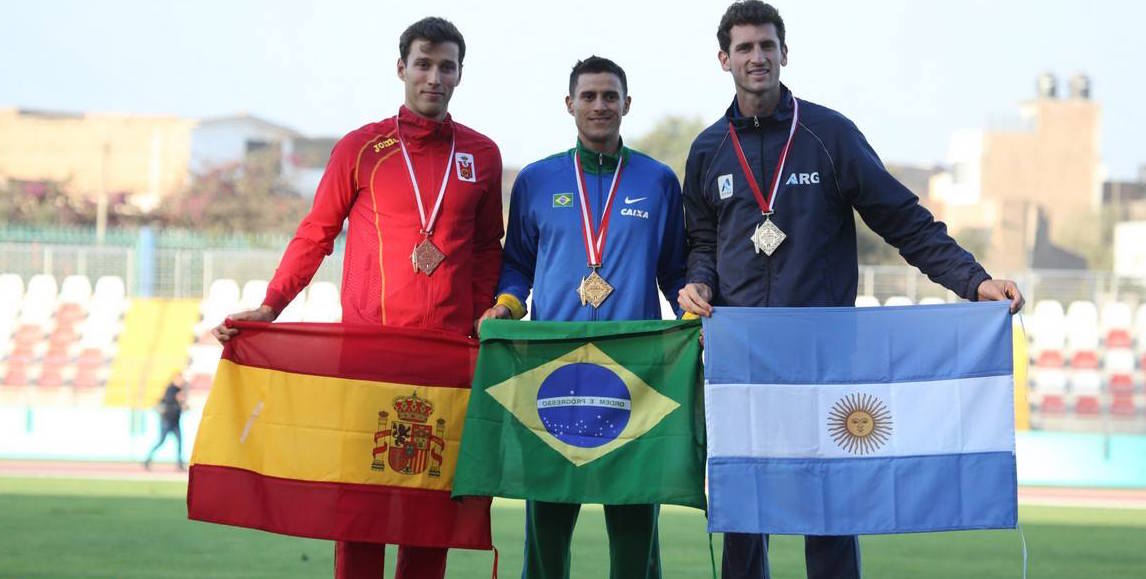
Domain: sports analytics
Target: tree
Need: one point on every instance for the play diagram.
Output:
(670, 140)
(247, 197)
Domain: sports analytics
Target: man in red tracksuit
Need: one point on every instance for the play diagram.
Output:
(423, 198)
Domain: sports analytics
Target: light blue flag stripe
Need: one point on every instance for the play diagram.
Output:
(862, 495)
(857, 345)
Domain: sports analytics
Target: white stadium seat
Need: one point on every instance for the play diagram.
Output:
(76, 289)
(898, 301)
(254, 292)
(867, 302)
(1082, 326)
(323, 304)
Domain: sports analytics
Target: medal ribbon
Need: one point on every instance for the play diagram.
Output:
(595, 241)
(427, 224)
(766, 205)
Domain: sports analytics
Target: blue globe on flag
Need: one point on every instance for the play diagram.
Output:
(584, 405)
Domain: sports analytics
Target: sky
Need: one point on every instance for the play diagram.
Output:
(908, 73)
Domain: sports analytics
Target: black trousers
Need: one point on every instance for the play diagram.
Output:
(746, 557)
(169, 427)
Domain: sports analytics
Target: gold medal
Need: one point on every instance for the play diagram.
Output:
(594, 290)
(426, 257)
(767, 237)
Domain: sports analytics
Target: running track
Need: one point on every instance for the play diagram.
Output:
(1050, 496)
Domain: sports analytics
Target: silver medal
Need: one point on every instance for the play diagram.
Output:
(767, 237)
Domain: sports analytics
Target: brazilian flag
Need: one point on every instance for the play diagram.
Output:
(598, 412)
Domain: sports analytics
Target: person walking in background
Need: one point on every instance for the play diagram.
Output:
(170, 408)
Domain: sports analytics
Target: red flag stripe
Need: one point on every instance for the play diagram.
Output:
(338, 511)
(395, 355)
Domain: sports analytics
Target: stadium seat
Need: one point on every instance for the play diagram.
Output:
(11, 294)
(1122, 405)
(1118, 366)
(1082, 334)
(223, 299)
(867, 301)
(294, 310)
(76, 289)
(1085, 382)
(254, 292)
(1140, 328)
(1050, 359)
(1116, 325)
(323, 303)
(1053, 404)
(1048, 380)
(1087, 406)
(898, 301)
(1047, 332)
(931, 301)
(200, 382)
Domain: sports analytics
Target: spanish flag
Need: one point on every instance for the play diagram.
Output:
(338, 432)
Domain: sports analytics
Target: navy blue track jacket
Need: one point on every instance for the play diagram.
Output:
(830, 169)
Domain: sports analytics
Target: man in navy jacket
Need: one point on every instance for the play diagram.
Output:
(769, 192)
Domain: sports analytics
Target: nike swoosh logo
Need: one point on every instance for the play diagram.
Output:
(631, 201)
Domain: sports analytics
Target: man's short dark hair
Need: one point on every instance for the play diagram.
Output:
(435, 31)
(595, 64)
(751, 12)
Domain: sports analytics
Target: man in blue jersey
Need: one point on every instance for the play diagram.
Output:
(592, 233)
(769, 191)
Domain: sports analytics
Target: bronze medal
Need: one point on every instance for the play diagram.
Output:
(426, 257)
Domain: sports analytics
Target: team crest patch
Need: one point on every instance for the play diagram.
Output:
(562, 199)
(724, 186)
(465, 165)
(409, 444)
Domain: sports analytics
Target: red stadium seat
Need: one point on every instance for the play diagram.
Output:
(86, 378)
(1118, 338)
(51, 376)
(17, 374)
(1121, 383)
(1087, 406)
(1050, 359)
(90, 358)
(1053, 404)
(1084, 359)
(201, 382)
(1123, 405)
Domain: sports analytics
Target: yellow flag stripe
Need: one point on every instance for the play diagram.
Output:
(318, 428)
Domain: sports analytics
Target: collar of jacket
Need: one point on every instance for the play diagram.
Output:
(596, 163)
(418, 131)
(782, 114)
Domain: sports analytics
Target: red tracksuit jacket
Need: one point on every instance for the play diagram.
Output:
(366, 181)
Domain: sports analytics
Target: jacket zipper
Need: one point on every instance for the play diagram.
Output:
(601, 203)
(767, 258)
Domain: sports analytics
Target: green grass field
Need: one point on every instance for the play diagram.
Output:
(74, 529)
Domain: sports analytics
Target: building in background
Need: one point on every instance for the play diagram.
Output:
(143, 159)
(89, 155)
(1029, 180)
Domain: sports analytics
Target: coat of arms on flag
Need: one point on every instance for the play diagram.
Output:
(408, 443)
(601, 412)
(852, 421)
(338, 432)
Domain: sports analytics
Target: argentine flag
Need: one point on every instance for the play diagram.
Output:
(850, 421)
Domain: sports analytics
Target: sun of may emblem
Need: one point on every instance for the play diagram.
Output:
(859, 423)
